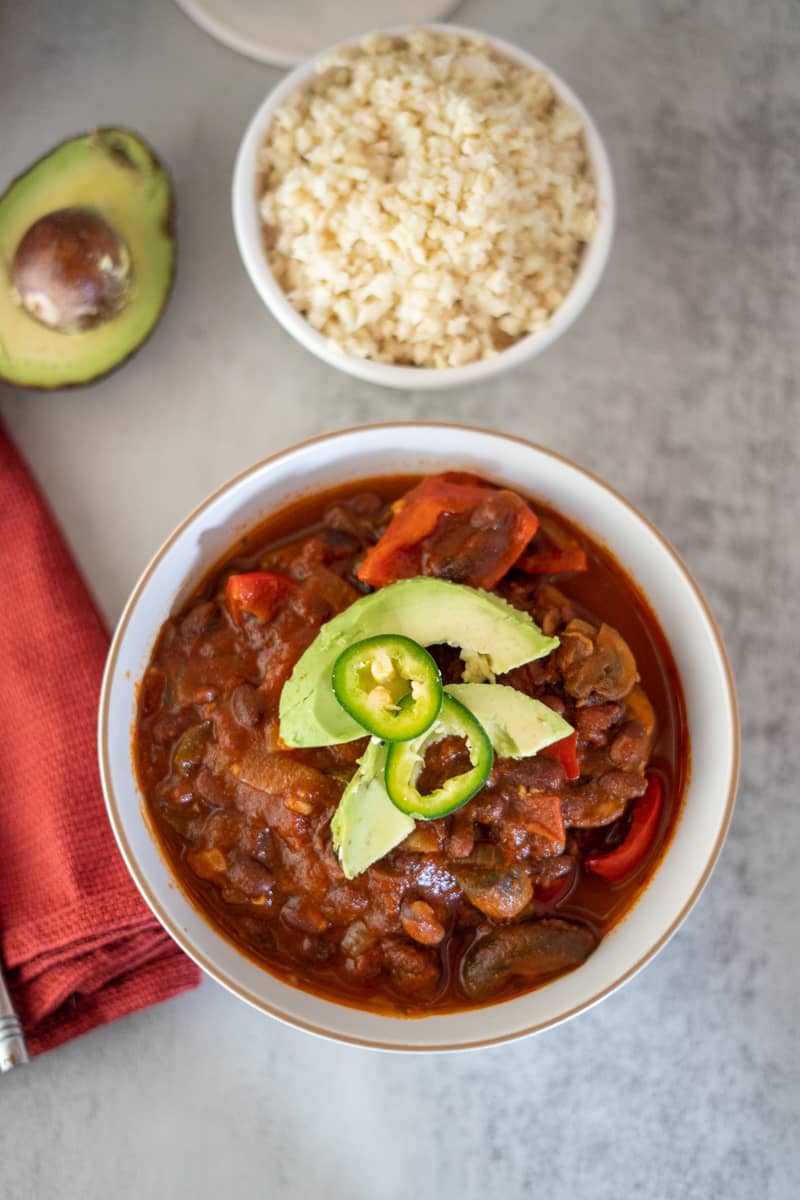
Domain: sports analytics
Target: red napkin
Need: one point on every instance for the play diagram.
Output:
(78, 944)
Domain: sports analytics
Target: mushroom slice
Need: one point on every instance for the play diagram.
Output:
(638, 708)
(608, 672)
(501, 892)
(534, 951)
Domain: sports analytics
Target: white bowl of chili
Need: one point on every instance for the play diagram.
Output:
(665, 596)
(497, 277)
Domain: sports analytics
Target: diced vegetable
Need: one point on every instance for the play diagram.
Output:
(554, 551)
(484, 556)
(555, 561)
(405, 761)
(542, 816)
(533, 950)
(390, 685)
(626, 857)
(607, 670)
(501, 892)
(256, 592)
(566, 753)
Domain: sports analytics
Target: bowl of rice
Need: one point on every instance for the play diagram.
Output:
(423, 207)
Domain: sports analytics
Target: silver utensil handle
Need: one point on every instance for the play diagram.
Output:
(13, 1051)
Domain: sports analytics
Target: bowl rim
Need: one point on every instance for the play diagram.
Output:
(184, 940)
(249, 242)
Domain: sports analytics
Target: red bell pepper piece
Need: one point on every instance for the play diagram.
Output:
(398, 553)
(639, 839)
(256, 592)
(554, 562)
(554, 551)
(566, 753)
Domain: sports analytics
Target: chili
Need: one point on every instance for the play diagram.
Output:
(480, 904)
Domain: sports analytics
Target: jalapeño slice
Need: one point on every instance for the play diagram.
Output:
(390, 685)
(405, 761)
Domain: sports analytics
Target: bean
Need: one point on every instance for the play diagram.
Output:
(246, 705)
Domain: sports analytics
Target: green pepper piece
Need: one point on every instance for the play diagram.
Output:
(405, 761)
(390, 685)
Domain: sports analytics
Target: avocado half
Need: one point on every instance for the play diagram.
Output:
(108, 180)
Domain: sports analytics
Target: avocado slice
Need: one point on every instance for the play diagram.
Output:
(518, 726)
(93, 218)
(429, 611)
(366, 825)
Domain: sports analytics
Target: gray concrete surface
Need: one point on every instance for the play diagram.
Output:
(679, 385)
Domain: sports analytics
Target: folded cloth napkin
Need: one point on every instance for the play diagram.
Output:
(78, 944)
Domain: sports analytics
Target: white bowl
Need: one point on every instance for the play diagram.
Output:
(249, 238)
(204, 537)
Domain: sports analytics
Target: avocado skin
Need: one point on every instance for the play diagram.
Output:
(167, 226)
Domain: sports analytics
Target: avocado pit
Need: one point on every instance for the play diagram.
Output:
(72, 270)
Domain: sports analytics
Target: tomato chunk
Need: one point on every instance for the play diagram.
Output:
(454, 528)
(256, 592)
(639, 839)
